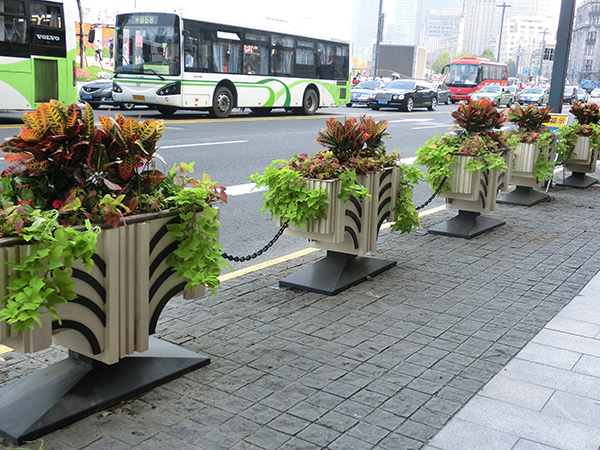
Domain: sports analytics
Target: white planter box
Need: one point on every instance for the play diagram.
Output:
(354, 224)
(525, 156)
(584, 157)
(119, 302)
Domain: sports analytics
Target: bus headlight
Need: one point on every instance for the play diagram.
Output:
(170, 89)
(116, 88)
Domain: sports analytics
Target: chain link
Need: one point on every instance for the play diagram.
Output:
(260, 252)
(433, 196)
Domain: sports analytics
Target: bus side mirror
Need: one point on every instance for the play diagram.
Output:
(92, 34)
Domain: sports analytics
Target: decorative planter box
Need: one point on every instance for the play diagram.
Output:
(352, 227)
(474, 191)
(118, 303)
(525, 156)
(584, 157)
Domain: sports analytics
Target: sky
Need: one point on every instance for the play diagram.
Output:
(324, 17)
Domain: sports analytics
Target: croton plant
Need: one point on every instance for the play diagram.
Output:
(587, 117)
(477, 135)
(64, 171)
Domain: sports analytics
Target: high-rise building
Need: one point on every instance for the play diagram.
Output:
(584, 56)
(363, 31)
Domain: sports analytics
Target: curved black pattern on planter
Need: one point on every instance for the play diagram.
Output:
(357, 204)
(383, 219)
(164, 254)
(500, 181)
(383, 204)
(91, 282)
(482, 196)
(384, 189)
(161, 233)
(93, 307)
(85, 331)
(159, 282)
(99, 263)
(483, 186)
(161, 305)
(355, 218)
(352, 234)
(384, 175)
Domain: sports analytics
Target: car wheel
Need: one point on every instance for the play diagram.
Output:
(433, 105)
(95, 105)
(453, 102)
(410, 104)
(127, 106)
(374, 108)
(448, 100)
(222, 103)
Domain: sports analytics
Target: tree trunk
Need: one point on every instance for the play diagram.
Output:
(82, 59)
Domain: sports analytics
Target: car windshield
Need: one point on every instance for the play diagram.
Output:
(532, 91)
(368, 85)
(568, 90)
(401, 84)
(494, 89)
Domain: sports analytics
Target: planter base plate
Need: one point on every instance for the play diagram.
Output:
(578, 180)
(466, 225)
(336, 273)
(77, 387)
(523, 196)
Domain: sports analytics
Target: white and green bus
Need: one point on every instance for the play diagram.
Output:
(37, 53)
(181, 60)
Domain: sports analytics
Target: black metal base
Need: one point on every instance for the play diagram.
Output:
(76, 387)
(578, 180)
(466, 225)
(336, 273)
(523, 196)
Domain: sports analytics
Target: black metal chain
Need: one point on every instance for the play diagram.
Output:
(260, 252)
(433, 196)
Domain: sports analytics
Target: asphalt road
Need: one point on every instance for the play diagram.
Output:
(232, 149)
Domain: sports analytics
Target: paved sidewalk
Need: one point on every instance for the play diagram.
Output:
(391, 363)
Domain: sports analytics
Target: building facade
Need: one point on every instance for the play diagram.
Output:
(584, 56)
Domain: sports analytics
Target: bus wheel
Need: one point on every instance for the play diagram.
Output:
(310, 103)
(166, 110)
(222, 103)
(453, 102)
(261, 111)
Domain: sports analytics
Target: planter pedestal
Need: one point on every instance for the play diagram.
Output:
(466, 224)
(336, 273)
(523, 196)
(76, 387)
(578, 180)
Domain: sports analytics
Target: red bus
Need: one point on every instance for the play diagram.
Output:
(465, 75)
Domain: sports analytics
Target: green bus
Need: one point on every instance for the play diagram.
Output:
(183, 60)
(37, 53)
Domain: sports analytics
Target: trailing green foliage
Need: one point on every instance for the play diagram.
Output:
(406, 216)
(44, 279)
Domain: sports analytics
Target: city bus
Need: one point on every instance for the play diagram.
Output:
(37, 53)
(465, 75)
(182, 60)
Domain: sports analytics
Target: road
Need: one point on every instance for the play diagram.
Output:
(231, 150)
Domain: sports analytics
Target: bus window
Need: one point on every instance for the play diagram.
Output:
(198, 40)
(282, 55)
(13, 26)
(227, 53)
(256, 54)
(44, 15)
(305, 66)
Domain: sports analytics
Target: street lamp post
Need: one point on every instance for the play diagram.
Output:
(503, 6)
(379, 37)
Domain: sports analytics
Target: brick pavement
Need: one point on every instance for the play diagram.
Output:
(383, 365)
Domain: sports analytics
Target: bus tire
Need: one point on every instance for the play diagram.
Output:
(263, 111)
(375, 108)
(453, 102)
(310, 103)
(222, 103)
(166, 110)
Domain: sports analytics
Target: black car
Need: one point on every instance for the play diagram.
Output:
(404, 95)
(444, 94)
(99, 92)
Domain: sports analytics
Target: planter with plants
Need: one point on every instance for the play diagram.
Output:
(533, 147)
(338, 198)
(580, 142)
(469, 167)
(95, 240)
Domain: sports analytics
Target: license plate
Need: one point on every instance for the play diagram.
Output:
(139, 97)
(382, 102)
(86, 96)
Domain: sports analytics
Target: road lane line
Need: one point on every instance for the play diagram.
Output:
(201, 144)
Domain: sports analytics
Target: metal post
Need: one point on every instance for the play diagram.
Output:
(503, 6)
(561, 54)
(379, 37)
(542, 56)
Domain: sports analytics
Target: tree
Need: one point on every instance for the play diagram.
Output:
(512, 68)
(81, 32)
(489, 54)
(462, 53)
(442, 59)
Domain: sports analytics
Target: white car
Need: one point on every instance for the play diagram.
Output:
(595, 93)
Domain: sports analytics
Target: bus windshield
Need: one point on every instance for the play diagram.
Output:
(463, 75)
(148, 44)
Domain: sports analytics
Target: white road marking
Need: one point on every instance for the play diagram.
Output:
(431, 126)
(201, 144)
